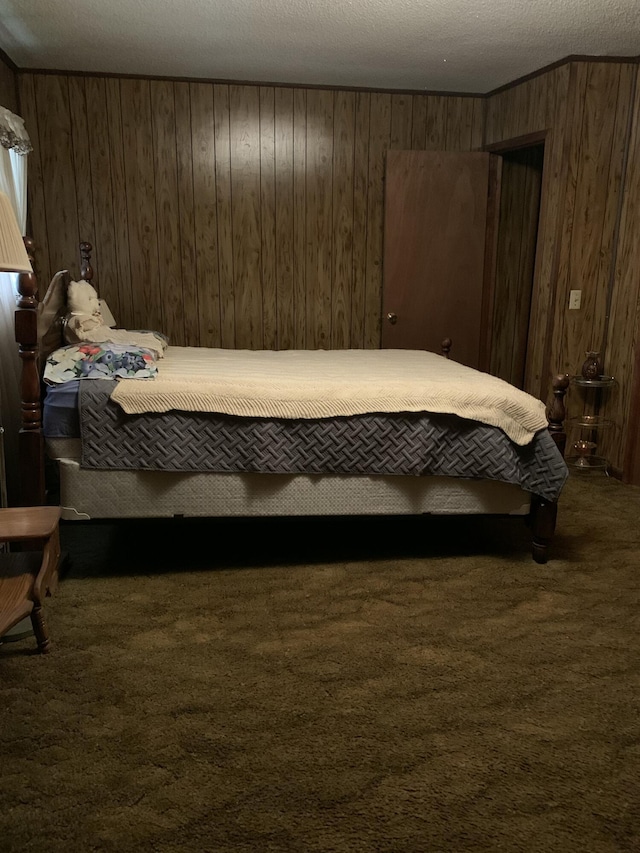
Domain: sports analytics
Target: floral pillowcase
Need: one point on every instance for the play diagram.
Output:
(99, 361)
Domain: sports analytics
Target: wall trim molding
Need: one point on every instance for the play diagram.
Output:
(634, 60)
(263, 84)
(631, 60)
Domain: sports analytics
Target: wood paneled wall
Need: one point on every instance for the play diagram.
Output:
(8, 87)
(515, 260)
(227, 215)
(584, 243)
(623, 330)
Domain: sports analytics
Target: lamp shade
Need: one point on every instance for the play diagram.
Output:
(13, 255)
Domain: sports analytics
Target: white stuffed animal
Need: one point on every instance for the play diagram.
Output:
(84, 319)
(85, 323)
(82, 298)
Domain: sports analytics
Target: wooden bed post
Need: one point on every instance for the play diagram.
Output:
(557, 413)
(543, 512)
(30, 441)
(86, 270)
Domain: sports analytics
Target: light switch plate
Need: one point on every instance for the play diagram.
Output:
(575, 299)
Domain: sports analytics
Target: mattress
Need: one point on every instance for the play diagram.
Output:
(405, 443)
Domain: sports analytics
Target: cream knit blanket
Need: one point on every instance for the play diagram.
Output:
(329, 383)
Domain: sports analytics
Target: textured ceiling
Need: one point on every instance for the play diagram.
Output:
(437, 45)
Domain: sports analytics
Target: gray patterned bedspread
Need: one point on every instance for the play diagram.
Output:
(403, 443)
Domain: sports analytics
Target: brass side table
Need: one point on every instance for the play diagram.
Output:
(587, 429)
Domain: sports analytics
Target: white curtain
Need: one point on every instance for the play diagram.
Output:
(14, 146)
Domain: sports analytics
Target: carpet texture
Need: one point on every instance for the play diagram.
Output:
(326, 685)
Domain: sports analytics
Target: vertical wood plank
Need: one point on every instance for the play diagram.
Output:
(205, 215)
(342, 277)
(81, 143)
(621, 445)
(120, 202)
(52, 106)
(319, 217)
(539, 366)
(401, 118)
(419, 122)
(167, 211)
(492, 113)
(436, 128)
(300, 215)
(268, 217)
(454, 133)
(613, 441)
(379, 140)
(459, 124)
(106, 267)
(36, 190)
(558, 359)
(531, 213)
(284, 179)
(620, 138)
(137, 135)
(539, 100)
(477, 124)
(9, 85)
(186, 214)
(245, 187)
(584, 329)
(507, 260)
(360, 218)
(226, 269)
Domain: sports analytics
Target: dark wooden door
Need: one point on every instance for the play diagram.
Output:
(438, 252)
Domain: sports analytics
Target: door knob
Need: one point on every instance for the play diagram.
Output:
(392, 318)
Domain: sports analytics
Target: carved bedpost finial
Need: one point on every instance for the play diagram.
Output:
(445, 346)
(86, 270)
(27, 282)
(30, 246)
(557, 413)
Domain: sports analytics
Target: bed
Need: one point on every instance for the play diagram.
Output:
(216, 433)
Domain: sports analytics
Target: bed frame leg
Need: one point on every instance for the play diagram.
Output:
(544, 513)
(543, 525)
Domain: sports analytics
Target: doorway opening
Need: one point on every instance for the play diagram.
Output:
(519, 214)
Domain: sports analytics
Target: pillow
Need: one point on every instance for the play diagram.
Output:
(99, 361)
(107, 317)
(51, 310)
(82, 298)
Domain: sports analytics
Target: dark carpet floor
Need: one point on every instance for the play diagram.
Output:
(397, 685)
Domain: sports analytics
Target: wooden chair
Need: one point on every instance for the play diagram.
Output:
(27, 576)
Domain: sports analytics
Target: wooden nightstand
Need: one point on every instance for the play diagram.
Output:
(27, 576)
